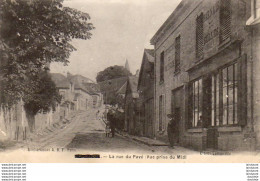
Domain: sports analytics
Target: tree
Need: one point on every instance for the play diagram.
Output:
(33, 34)
(112, 72)
(44, 97)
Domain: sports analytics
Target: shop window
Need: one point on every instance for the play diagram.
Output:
(214, 98)
(177, 54)
(162, 67)
(197, 103)
(225, 96)
(225, 20)
(199, 36)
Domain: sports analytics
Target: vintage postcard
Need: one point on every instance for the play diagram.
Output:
(93, 81)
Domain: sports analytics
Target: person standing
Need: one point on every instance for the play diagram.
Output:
(111, 120)
(112, 124)
(108, 130)
(170, 130)
(97, 114)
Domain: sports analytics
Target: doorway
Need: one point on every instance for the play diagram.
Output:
(177, 117)
(176, 110)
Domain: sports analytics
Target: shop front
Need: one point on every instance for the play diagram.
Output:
(217, 95)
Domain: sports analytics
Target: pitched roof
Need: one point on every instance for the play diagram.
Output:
(112, 84)
(182, 10)
(60, 80)
(149, 57)
(122, 89)
(149, 54)
(81, 82)
(80, 78)
(92, 88)
(133, 82)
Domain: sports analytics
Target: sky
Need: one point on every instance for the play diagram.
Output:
(123, 28)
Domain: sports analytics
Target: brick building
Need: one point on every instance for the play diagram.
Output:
(206, 60)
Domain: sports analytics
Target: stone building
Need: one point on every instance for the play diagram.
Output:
(132, 123)
(110, 88)
(145, 103)
(206, 61)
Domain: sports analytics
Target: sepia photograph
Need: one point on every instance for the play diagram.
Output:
(97, 81)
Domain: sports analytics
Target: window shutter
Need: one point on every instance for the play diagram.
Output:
(242, 90)
(162, 67)
(199, 36)
(177, 53)
(225, 20)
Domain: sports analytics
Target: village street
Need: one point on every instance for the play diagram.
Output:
(83, 131)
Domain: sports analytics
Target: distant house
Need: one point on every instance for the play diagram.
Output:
(145, 103)
(132, 124)
(89, 90)
(66, 90)
(122, 90)
(85, 99)
(109, 88)
(94, 90)
(78, 92)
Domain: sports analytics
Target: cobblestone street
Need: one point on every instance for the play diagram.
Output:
(85, 132)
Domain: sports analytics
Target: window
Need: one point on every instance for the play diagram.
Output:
(197, 103)
(199, 36)
(162, 67)
(161, 113)
(214, 99)
(225, 20)
(225, 96)
(177, 54)
(94, 101)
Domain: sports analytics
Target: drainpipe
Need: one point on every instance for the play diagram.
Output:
(254, 23)
(155, 98)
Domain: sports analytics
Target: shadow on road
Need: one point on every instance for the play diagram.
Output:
(100, 143)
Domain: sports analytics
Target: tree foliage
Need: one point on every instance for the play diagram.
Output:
(34, 33)
(113, 99)
(44, 97)
(112, 72)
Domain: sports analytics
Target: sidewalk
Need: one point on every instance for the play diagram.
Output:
(144, 140)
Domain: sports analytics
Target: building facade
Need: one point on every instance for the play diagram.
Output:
(205, 58)
(145, 103)
(132, 124)
(109, 89)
